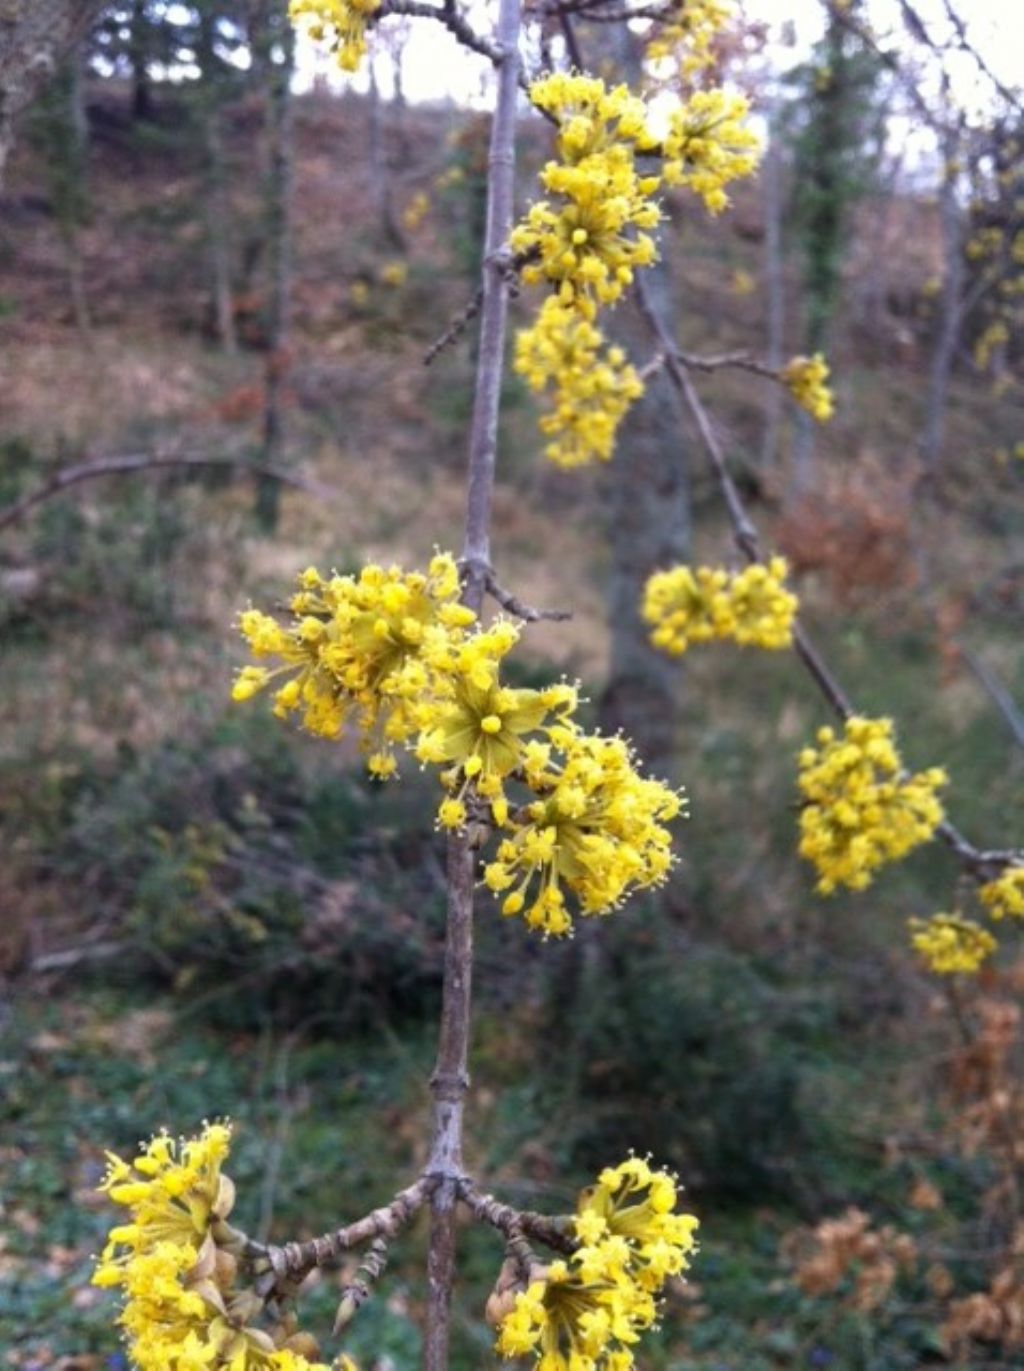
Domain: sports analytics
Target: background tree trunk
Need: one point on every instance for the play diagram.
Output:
(280, 175)
(951, 307)
(35, 36)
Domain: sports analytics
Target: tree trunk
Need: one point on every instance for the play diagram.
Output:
(775, 285)
(380, 169)
(138, 57)
(951, 317)
(35, 35)
(215, 199)
(279, 247)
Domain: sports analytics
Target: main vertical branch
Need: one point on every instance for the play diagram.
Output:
(483, 439)
(450, 1080)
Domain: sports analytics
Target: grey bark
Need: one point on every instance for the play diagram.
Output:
(771, 180)
(215, 200)
(35, 36)
(951, 307)
(280, 180)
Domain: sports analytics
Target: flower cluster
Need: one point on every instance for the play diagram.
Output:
(807, 380)
(339, 24)
(593, 231)
(1004, 897)
(398, 655)
(590, 1310)
(367, 649)
(688, 33)
(176, 1264)
(590, 239)
(861, 809)
(596, 828)
(591, 389)
(950, 943)
(751, 607)
(708, 145)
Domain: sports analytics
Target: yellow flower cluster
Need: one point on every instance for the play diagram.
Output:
(688, 33)
(398, 654)
(592, 390)
(587, 1313)
(860, 809)
(707, 146)
(176, 1264)
(1004, 897)
(807, 380)
(590, 241)
(339, 24)
(482, 731)
(369, 649)
(592, 233)
(751, 607)
(950, 943)
(596, 829)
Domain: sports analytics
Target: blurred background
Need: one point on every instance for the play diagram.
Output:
(220, 268)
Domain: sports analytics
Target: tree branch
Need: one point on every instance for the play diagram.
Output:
(982, 864)
(450, 1081)
(294, 1260)
(148, 461)
(554, 1232)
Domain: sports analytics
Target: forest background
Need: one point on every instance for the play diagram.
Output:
(201, 270)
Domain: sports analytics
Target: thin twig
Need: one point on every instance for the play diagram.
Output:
(997, 693)
(513, 605)
(456, 328)
(553, 1232)
(452, 20)
(149, 461)
(293, 1260)
(982, 864)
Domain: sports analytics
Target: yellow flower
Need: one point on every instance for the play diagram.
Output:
(372, 649)
(949, 943)
(174, 1265)
(416, 210)
(571, 1323)
(340, 25)
(591, 237)
(860, 808)
(483, 727)
(394, 273)
(591, 386)
(751, 607)
(1004, 897)
(807, 380)
(687, 34)
(707, 146)
(636, 1204)
(596, 828)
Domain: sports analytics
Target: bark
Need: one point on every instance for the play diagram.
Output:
(35, 36)
(450, 1080)
(380, 169)
(951, 309)
(280, 179)
(138, 57)
(774, 271)
(215, 200)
